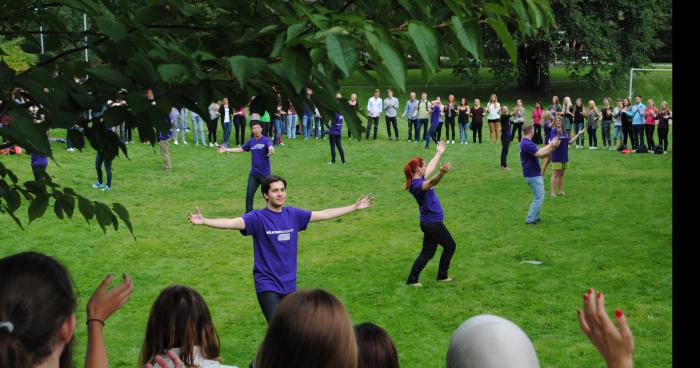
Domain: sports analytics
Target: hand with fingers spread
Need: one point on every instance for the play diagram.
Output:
(615, 344)
(104, 302)
(177, 363)
(441, 146)
(447, 166)
(196, 218)
(365, 201)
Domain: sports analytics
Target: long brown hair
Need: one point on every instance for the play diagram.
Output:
(309, 329)
(180, 318)
(410, 167)
(374, 347)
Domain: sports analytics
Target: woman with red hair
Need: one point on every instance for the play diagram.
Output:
(431, 215)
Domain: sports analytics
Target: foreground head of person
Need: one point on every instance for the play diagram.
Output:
(309, 329)
(488, 341)
(274, 191)
(180, 319)
(37, 312)
(374, 347)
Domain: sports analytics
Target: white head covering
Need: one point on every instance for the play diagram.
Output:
(488, 341)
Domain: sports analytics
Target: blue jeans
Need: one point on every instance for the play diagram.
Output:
(536, 184)
(227, 131)
(317, 125)
(431, 135)
(279, 127)
(618, 134)
(463, 130)
(108, 168)
(198, 125)
(582, 137)
(421, 124)
(291, 126)
(179, 125)
(307, 121)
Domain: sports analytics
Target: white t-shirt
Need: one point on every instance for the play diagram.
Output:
(374, 106)
(198, 360)
(227, 115)
(494, 111)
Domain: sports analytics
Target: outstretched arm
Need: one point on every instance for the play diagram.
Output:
(447, 166)
(365, 201)
(223, 149)
(434, 161)
(573, 139)
(548, 149)
(220, 223)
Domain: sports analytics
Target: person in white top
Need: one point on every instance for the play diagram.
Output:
(493, 110)
(180, 323)
(213, 122)
(374, 109)
(391, 107)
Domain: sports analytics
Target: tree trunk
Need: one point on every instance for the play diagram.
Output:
(533, 67)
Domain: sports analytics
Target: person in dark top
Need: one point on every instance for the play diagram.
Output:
(664, 116)
(579, 114)
(626, 121)
(477, 113)
(505, 137)
(463, 113)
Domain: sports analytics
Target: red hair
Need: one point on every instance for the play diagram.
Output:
(411, 167)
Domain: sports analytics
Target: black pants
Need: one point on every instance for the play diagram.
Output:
(40, 173)
(369, 126)
(211, 129)
(108, 168)
(434, 233)
(626, 131)
(438, 132)
(518, 127)
(269, 301)
(476, 127)
(239, 129)
(637, 135)
(421, 124)
(449, 124)
(505, 143)
(391, 121)
(254, 181)
(592, 137)
(537, 139)
(663, 137)
(335, 142)
(412, 123)
(649, 130)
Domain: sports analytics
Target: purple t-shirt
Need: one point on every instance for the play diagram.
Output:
(428, 202)
(337, 125)
(435, 115)
(561, 154)
(275, 240)
(531, 165)
(259, 161)
(40, 160)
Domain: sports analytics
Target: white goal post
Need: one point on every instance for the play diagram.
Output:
(629, 95)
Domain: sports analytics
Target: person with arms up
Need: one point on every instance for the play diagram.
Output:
(529, 158)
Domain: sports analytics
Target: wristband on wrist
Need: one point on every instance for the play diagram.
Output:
(95, 320)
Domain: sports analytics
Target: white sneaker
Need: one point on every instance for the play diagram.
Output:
(216, 144)
(211, 144)
(665, 152)
(453, 142)
(595, 148)
(184, 142)
(175, 142)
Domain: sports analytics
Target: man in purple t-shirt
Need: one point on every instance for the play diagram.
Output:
(529, 155)
(261, 148)
(275, 230)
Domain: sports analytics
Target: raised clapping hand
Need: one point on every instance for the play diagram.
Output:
(441, 146)
(555, 141)
(615, 344)
(365, 201)
(447, 166)
(103, 303)
(177, 363)
(197, 218)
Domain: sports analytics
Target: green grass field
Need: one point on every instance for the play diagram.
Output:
(612, 231)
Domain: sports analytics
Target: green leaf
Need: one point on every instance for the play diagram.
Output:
(124, 215)
(68, 202)
(173, 73)
(499, 27)
(278, 45)
(342, 53)
(469, 37)
(496, 9)
(112, 29)
(57, 209)
(87, 209)
(38, 207)
(297, 63)
(426, 41)
(111, 76)
(535, 13)
(244, 67)
(294, 31)
(13, 200)
(391, 59)
(103, 215)
(26, 134)
(115, 115)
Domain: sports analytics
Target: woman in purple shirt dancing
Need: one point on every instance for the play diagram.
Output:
(275, 230)
(560, 157)
(431, 215)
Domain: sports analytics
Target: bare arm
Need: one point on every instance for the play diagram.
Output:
(102, 304)
(447, 166)
(220, 223)
(365, 201)
(573, 139)
(234, 150)
(434, 161)
(548, 149)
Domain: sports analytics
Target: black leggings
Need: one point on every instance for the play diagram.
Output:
(39, 173)
(335, 142)
(108, 168)
(538, 134)
(649, 130)
(505, 143)
(438, 132)
(476, 127)
(239, 126)
(211, 129)
(269, 301)
(663, 137)
(518, 127)
(592, 137)
(450, 124)
(371, 120)
(391, 121)
(626, 131)
(434, 233)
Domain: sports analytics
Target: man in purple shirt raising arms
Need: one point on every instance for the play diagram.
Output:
(275, 230)
(529, 157)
